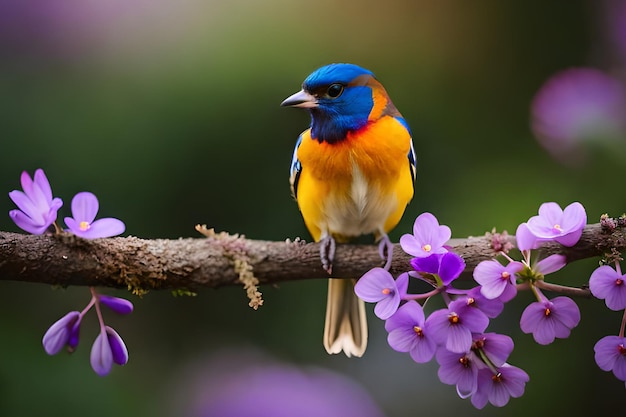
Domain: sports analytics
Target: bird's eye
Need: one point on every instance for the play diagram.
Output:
(334, 90)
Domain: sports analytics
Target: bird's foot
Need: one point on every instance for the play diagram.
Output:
(327, 253)
(385, 249)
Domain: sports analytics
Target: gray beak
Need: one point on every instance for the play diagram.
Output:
(300, 99)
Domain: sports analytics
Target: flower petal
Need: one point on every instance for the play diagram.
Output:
(525, 239)
(402, 284)
(401, 340)
(25, 204)
(386, 307)
(496, 346)
(100, 228)
(371, 285)
(551, 264)
(570, 239)
(450, 267)
(58, 334)
(574, 217)
(609, 285)
(101, 357)
(119, 305)
(118, 348)
(27, 224)
(459, 339)
(84, 207)
(607, 352)
(41, 181)
(424, 349)
(566, 311)
(26, 182)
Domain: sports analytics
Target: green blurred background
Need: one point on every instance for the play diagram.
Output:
(169, 112)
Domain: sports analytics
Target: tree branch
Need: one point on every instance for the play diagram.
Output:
(221, 259)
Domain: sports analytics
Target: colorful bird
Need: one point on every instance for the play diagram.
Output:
(352, 174)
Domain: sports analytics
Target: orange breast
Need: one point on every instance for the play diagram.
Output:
(360, 185)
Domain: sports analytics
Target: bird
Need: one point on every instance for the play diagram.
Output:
(352, 174)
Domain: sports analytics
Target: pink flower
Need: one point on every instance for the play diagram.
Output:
(495, 278)
(550, 319)
(428, 237)
(84, 209)
(609, 285)
(498, 388)
(378, 286)
(610, 355)
(37, 210)
(409, 333)
(108, 348)
(564, 226)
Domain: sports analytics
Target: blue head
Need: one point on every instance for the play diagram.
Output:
(340, 98)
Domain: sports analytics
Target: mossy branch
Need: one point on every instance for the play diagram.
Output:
(220, 259)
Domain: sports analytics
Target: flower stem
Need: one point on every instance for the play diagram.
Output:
(422, 296)
(95, 302)
(562, 289)
(57, 229)
(538, 295)
(506, 256)
(91, 302)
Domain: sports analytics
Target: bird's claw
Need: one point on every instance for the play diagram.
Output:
(385, 250)
(327, 253)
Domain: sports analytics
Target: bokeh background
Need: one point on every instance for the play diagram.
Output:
(169, 112)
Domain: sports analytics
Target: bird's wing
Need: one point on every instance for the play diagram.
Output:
(411, 155)
(295, 169)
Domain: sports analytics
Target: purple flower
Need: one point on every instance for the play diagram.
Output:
(497, 388)
(550, 319)
(408, 333)
(84, 209)
(497, 347)
(108, 348)
(609, 285)
(460, 369)
(447, 266)
(428, 237)
(610, 355)
(61, 332)
(524, 238)
(453, 327)
(564, 226)
(119, 305)
(37, 210)
(495, 278)
(378, 286)
(578, 106)
(491, 308)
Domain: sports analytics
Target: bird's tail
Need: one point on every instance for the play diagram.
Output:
(346, 324)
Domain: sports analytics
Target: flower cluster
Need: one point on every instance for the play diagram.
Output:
(455, 336)
(37, 214)
(107, 349)
(469, 357)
